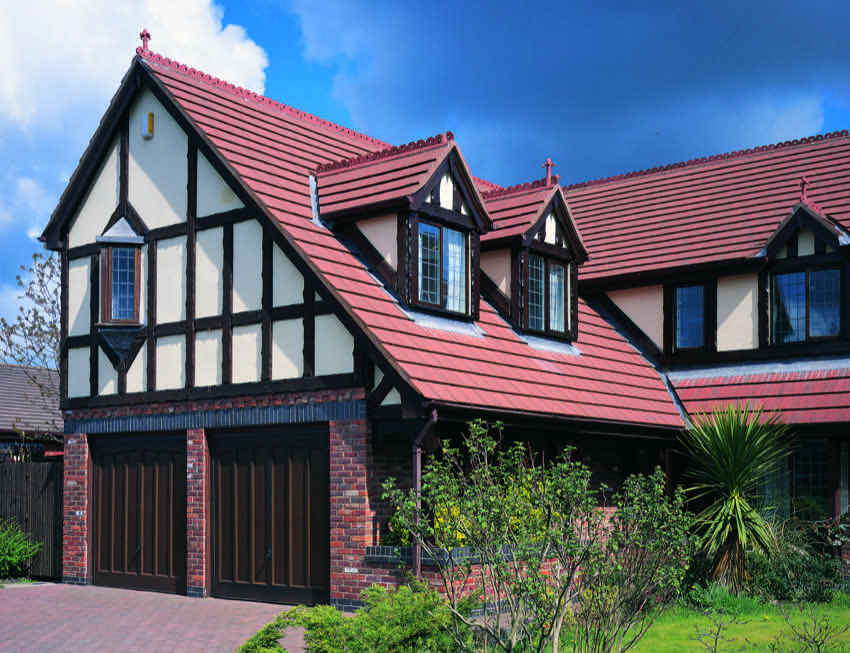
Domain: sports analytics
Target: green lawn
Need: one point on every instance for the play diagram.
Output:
(676, 630)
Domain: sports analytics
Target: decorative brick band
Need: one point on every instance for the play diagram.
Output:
(225, 414)
(75, 553)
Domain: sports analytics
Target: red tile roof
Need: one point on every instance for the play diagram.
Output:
(706, 211)
(803, 396)
(516, 209)
(273, 149)
(380, 177)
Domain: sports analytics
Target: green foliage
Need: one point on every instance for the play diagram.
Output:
(16, 550)
(716, 599)
(266, 639)
(794, 576)
(544, 553)
(397, 535)
(732, 451)
(407, 620)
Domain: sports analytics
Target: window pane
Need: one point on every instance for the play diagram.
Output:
(824, 303)
(123, 283)
(556, 297)
(454, 267)
(535, 293)
(810, 477)
(690, 304)
(429, 263)
(789, 307)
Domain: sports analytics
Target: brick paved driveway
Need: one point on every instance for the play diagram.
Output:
(71, 619)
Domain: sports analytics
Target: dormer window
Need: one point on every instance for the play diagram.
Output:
(547, 295)
(806, 305)
(443, 267)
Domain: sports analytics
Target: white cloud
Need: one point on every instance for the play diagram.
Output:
(59, 59)
(28, 206)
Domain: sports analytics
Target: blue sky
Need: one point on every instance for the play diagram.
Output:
(602, 88)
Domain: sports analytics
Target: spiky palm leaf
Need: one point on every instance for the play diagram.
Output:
(733, 450)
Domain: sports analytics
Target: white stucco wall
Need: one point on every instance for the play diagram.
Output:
(79, 296)
(287, 349)
(107, 377)
(208, 352)
(645, 307)
(99, 203)
(158, 169)
(382, 232)
(214, 196)
(208, 265)
(137, 378)
(170, 281)
(247, 266)
(334, 347)
(805, 242)
(737, 312)
(78, 372)
(170, 363)
(288, 284)
(246, 354)
(497, 266)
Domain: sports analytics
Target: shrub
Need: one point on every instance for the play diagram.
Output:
(16, 550)
(411, 619)
(794, 576)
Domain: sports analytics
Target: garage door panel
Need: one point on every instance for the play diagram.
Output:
(271, 500)
(140, 508)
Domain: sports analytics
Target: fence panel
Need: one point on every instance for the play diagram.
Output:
(31, 493)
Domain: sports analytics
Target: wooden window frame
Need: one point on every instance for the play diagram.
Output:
(787, 268)
(709, 318)
(568, 296)
(106, 284)
(467, 266)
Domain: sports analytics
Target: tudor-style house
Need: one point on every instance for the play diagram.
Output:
(265, 315)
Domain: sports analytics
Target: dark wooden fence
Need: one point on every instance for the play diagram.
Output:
(31, 493)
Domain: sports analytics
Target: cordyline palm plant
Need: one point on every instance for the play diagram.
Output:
(733, 450)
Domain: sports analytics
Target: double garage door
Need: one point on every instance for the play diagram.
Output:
(270, 499)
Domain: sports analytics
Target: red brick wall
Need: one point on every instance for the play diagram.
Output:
(75, 551)
(197, 518)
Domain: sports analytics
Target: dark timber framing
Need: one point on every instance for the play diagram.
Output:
(55, 235)
(191, 244)
(227, 305)
(267, 305)
(94, 304)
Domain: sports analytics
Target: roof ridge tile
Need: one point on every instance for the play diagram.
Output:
(709, 159)
(246, 94)
(422, 143)
(518, 188)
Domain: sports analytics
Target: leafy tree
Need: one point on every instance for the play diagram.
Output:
(538, 552)
(32, 338)
(733, 450)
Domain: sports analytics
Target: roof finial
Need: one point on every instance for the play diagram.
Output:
(548, 165)
(803, 183)
(145, 35)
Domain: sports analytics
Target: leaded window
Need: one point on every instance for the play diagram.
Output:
(806, 305)
(443, 267)
(690, 317)
(547, 295)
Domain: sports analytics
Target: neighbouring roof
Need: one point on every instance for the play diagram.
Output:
(707, 211)
(29, 400)
(273, 149)
(804, 393)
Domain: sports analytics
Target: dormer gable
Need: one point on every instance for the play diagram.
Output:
(415, 212)
(530, 259)
(807, 230)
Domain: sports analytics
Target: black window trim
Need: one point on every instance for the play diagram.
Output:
(709, 344)
(805, 264)
(414, 266)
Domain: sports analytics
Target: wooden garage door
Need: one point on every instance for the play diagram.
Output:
(271, 517)
(140, 513)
